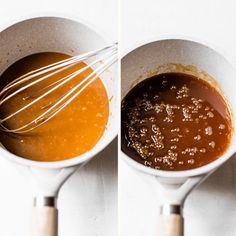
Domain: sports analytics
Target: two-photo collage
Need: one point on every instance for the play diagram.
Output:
(117, 118)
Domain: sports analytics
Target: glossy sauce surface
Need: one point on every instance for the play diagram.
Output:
(175, 121)
(72, 132)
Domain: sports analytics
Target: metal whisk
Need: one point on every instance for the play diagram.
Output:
(101, 60)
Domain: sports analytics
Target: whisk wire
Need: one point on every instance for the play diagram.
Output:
(53, 113)
(54, 66)
(82, 70)
(66, 79)
(50, 112)
(65, 64)
(109, 57)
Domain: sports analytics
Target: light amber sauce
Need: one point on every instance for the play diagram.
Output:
(72, 132)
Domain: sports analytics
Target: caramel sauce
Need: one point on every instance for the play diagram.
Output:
(72, 132)
(175, 121)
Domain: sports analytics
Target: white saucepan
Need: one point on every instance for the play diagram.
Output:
(191, 57)
(54, 34)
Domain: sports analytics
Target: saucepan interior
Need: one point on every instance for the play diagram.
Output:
(179, 55)
(56, 34)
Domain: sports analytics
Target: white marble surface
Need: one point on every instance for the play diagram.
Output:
(211, 209)
(88, 201)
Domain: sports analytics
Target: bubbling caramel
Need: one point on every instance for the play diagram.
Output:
(73, 131)
(175, 121)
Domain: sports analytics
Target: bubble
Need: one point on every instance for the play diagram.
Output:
(159, 108)
(190, 151)
(203, 150)
(155, 128)
(197, 137)
(186, 113)
(156, 96)
(148, 163)
(208, 130)
(164, 82)
(191, 161)
(150, 154)
(169, 110)
(210, 114)
(157, 141)
(152, 119)
(222, 126)
(142, 121)
(170, 113)
(148, 106)
(168, 119)
(183, 92)
(202, 117)
(171, 153)
(212, 144)
(194, 149)
(167, 161)
(186, 130)
(143, 131)
(157, 159)
(177, 129)
(175, 139)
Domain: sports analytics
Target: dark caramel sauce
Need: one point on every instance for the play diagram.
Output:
(175, 121)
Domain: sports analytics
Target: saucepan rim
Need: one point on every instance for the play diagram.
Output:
(87, 155)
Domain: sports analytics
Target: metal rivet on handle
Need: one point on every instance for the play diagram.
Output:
(169, 209)
(45, 202)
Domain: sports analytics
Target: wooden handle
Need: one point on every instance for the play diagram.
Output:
(45, 220)
(171, 225)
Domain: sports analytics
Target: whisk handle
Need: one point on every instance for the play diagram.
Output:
(45, 219)
(171, 224)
